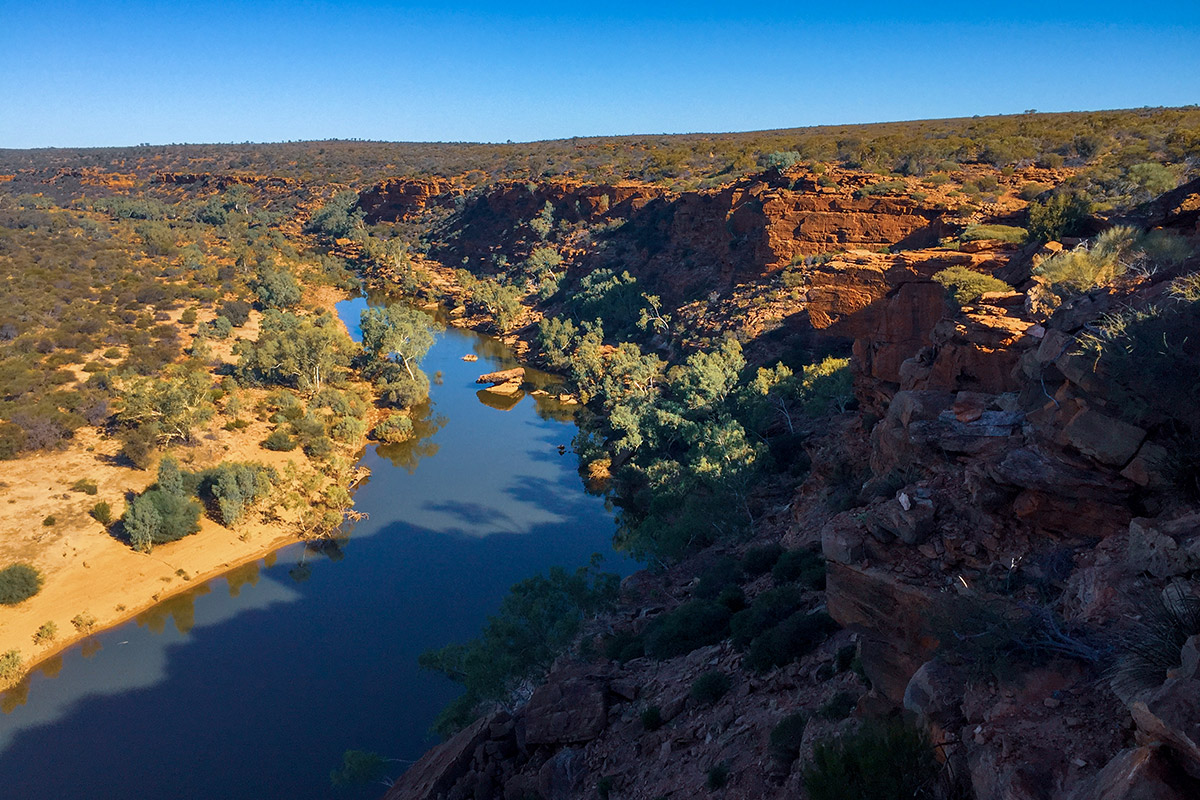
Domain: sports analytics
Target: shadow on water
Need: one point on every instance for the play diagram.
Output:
(263, 677)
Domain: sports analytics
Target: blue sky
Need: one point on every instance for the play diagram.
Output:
(112, 73)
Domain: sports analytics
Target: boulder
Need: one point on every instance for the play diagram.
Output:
(562, 776)
(566, 712)
(444, 765)
(1164, 549)
(1171, 715)
(908, 517)
(893, 618)
(1108, 440)
(503, 376)
(1142, 773)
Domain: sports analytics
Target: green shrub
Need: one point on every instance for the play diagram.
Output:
(718, 776)
(85, 485)
(694, 624)
(102, 513)
(761, 559)
(806, 567)
(710, 687)
(84, 622)
(393, 428)
(358, 767)
(280, 441)
(49, 522)
(163, 513)
(769, 609)
(1062, 214)
(881, 761)
(716, 578)
(651, 718)
(882, 188)
(966, 286)
(793, 638)
(1003, 233)
(45, 633)
(604, 786)
(10, 665)
(1032, 191)
(786, 738)
(18, 582)
(624, 646)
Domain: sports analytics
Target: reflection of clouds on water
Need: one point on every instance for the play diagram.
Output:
(129, 658)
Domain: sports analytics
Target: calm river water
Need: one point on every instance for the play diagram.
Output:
(252, 685)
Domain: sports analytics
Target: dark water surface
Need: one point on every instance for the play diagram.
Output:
(253, 685)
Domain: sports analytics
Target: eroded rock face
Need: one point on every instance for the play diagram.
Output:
(1171, 715)
(563, 713)
(1142, 773)
(893, 617)
(445, 765)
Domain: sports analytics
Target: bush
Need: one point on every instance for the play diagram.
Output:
(280, 441)
(1062, 214)
(49, 522)
(694, 624)
(1003, 233)
(786, 738)
(84, 622)
(102, 513)
(770, 608)
(45, 633)
(716, 578)
(163, 513)
(805, 567)
(393, 428)
(761, 559)
(882, 188)
(18, 582)
(236, 311)
(710, 687)
(966, 286)
(795, 637)
(1032, 191)
(881, 761)
(10, 665)
(717, 776)
(651, 718)
(624, 646)
(85, 485)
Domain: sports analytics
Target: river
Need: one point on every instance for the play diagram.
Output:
(253, 684)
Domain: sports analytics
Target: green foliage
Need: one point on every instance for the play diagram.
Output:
(770, 608)
(759, 560)
(10, 665)
(786, 738)
(882, 188)
(694, 624)
(18, 582)
(1004, 233)
(49, 521)
(85, 485)
(163, 513)
(625, 646)
(395, 339)
(170, 408)
(1148, 649)
(45, 633)
(84, 622)
(651, 718)
(304, 352)
(793, 638)
(781, 159)
(615, 300)
(338, 218)
(880, 761)
(710, 687)
(501, 300)
(393, 428)
(717, 776)
(233, 488)
(557, 338)
(1062, 214)
(102, 513)
(965, 285)
(805, 567)
(236, 311)
(277, 288)
(537, 619)
(1032, 191)
(280, 441)
(358, 767)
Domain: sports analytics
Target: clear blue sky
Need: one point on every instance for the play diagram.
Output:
(113, 73)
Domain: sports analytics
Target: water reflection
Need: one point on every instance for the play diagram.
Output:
(248, 660)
